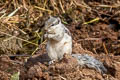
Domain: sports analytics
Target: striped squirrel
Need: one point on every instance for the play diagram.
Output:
(60, 42)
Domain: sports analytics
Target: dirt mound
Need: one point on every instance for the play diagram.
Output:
(95, 28)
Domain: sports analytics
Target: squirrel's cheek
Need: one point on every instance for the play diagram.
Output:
(49, 30)
(45, 35)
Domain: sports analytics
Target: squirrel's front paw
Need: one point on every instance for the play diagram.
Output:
(50, 36)
(51, 62)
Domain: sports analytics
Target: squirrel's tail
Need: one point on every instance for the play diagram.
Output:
(90, 62)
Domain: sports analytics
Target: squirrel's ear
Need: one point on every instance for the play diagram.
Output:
(59, 19)
(50, 17)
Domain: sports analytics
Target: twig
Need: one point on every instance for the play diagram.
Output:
(109, 6)
(43, 9)
(38, 47)
(11, 14)
(61, 6)
(91, 21)
(105, 49)
(45, 3)
(35, 51)
(19, 55)
(92, 39)
(19, 38)
(95, 50)
(8, 38)
(62, 77)
(3, 16)
(24, 5)
(83, 5)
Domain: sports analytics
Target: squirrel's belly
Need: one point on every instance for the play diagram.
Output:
(51, 52)
(63, 47)
(57, 50)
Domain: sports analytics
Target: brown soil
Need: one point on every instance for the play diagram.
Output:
(99, 39)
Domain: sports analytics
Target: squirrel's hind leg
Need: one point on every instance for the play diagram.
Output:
(51, 62)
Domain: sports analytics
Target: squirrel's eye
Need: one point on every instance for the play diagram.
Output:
(52, 25)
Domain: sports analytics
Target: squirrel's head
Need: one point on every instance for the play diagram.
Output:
(52, 23)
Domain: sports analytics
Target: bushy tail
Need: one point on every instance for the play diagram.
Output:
(90, 62)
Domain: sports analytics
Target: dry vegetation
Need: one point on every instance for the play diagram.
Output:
(94, 23)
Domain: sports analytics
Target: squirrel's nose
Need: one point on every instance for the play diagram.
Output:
(45, 29)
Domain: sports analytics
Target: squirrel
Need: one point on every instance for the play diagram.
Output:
(60, 42)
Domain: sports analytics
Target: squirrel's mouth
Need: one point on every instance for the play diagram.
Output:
(50, 32)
